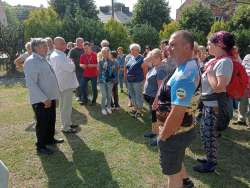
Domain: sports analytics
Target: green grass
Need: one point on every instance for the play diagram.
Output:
(108, 151)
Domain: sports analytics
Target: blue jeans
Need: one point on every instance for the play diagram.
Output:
(84, 83)
(121, 78)
(135, 90)
(106, 89)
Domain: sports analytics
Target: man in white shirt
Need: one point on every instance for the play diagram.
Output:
(66, 77)
(51, 47)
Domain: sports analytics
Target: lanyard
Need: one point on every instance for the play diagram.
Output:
(87, 58)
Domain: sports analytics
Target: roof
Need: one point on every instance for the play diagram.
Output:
(120, 16)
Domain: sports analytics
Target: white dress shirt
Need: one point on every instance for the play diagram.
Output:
(64, 70)
(40, 79)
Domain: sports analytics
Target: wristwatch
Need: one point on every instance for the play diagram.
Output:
(163, 139)
(209, 71)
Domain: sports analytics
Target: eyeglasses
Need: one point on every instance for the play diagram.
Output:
(106, 46)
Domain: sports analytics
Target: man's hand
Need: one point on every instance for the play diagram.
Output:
(47, 103)
(83, 66)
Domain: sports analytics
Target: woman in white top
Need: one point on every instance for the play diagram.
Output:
(24, 56)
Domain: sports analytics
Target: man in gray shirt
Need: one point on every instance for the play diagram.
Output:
(43, 90)
(94, 47)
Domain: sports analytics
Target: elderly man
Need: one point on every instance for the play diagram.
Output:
(178, 97)
(89, 63)
(66, 77)
(51, 47)
(244, 102)
(75, 55)
(43, 91)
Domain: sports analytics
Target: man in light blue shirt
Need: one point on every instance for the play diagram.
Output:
(43, 90)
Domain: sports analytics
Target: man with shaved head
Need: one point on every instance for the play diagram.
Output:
(65, 73)
(178, 97)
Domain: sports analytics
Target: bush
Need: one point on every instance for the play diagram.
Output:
(168, 30)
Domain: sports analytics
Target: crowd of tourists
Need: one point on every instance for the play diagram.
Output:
(175, 81)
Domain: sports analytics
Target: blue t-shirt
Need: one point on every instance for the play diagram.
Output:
(180, 89)
(121, 62)
(151, 84)
(136, 70)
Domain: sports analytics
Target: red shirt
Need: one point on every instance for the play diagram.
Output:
(92, 59)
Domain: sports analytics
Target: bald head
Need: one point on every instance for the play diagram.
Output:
(60, 44)
(187, 38)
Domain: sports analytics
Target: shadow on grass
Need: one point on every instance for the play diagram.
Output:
(89, 168)
(233, 160)
(129, 127)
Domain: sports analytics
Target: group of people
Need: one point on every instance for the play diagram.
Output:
(175, 81)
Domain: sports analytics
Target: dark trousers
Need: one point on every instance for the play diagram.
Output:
(45, 124)
(85, 87)
(78, 89)
(116, 99)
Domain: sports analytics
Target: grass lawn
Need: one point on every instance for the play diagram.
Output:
(108, 151)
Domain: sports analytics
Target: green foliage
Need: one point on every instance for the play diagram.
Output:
(11, 16)
(79, 26)
(196, 16)
(86, 8)
(146, 35)
(117, 35)
(219, 26)
(241, 16)
(42, 23)
(12, 42)
(154, 13)
(242, 40)
(198, 36)
(117, 7)
(169, 29)
(23, 11)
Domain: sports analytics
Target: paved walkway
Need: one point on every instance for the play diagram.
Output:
(12, 81)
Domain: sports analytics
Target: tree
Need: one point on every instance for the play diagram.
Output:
(11, 17)
(42, 23)
(241, 16)
(12, 42)
(198, 36)
(242, 40)
(154, 13)
(196, 16)
(85, 7)
(117, 35)
(79, 26)
(23, 11)
(117, 6)
(219, 26)
(168, 30)
(146, 35)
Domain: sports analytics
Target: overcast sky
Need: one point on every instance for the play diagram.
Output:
(173, 3)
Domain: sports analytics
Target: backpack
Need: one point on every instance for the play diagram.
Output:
(239, 81)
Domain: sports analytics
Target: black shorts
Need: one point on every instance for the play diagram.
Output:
(172, 151)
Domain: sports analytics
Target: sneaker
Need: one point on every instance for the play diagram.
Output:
(83, 102)
(116, 108)
(202, 169)
(112, 108)
(189, 185)
(239, 122)
(121, 91)
(153, 143)
(109, 110)
(104, 112)
(93, 103)
(78, 98)
(204, 160)
(248, 127)
(150, 135)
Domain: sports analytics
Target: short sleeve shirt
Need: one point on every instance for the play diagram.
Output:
(75, 54)
(180, 89)
(25, 55)
(89, 59)
(222, 67)
(95, 48)
(121, 61)
(134, 68)
(151, 84)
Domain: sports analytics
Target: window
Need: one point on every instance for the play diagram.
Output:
(218, 18)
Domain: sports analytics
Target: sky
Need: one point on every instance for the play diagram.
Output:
(173, 4)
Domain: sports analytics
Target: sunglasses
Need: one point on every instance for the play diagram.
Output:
(106, 46)
(147, 48)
